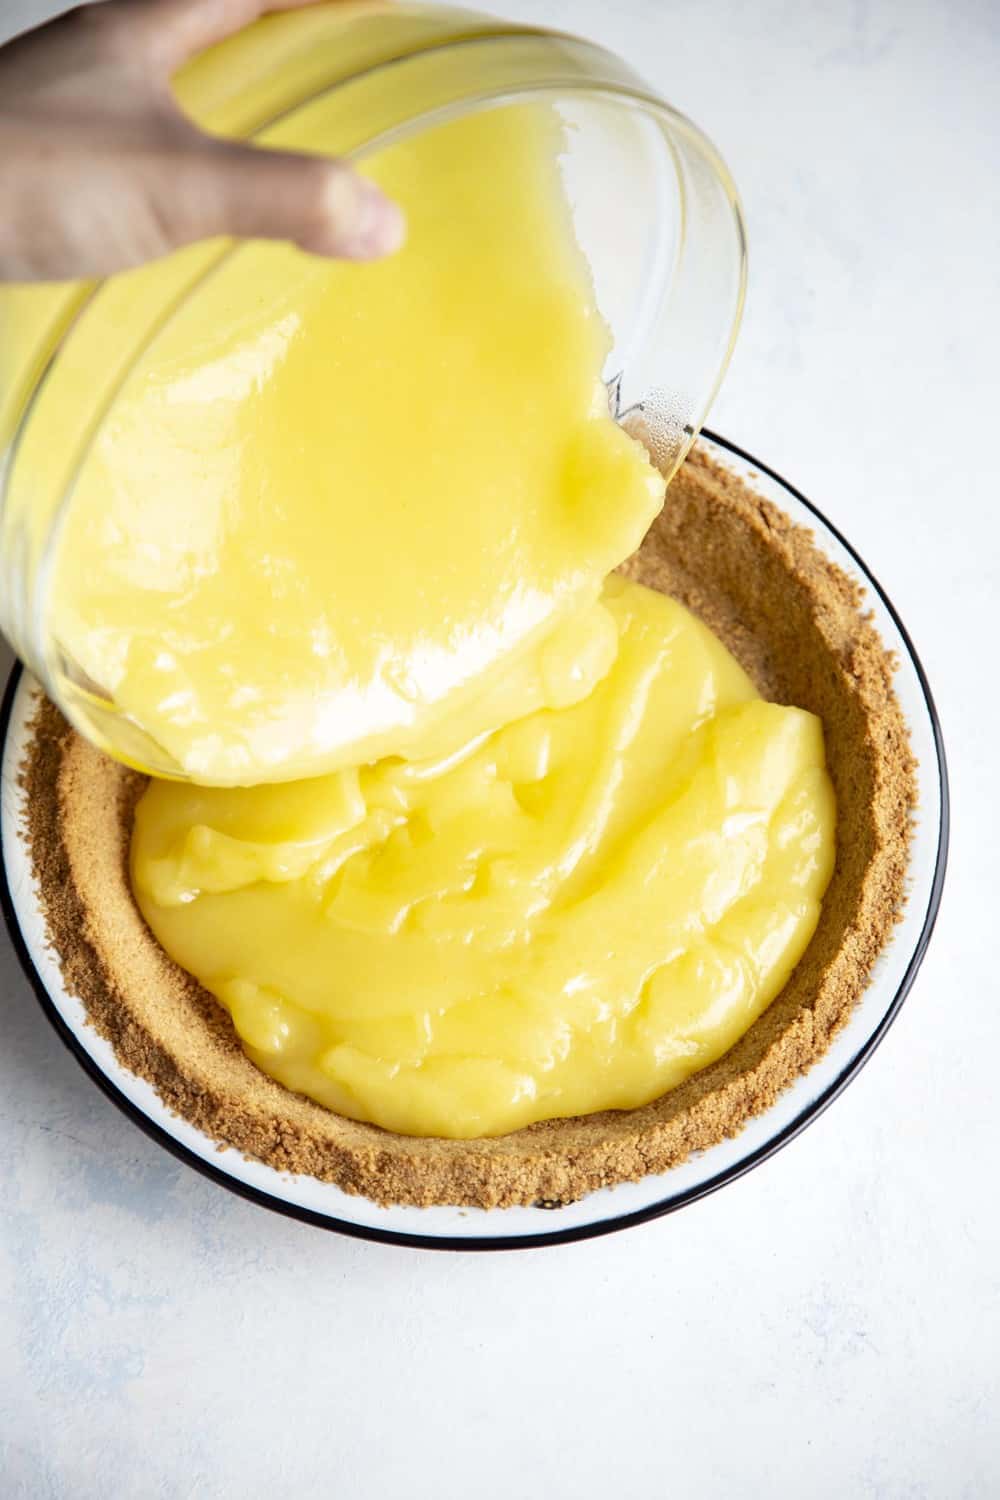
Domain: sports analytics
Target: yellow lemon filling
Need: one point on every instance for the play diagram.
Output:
(570, 914)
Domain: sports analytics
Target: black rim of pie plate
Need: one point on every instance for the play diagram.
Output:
(656, 1210)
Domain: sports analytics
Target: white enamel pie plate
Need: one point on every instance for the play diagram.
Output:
(324, 1205)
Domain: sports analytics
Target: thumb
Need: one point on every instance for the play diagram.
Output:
(320, 204)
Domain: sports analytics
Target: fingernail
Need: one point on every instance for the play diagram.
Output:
(379, 227)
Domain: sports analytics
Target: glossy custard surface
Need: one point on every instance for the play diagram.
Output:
(570, 914)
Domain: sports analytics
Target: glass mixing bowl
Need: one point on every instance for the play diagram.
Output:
(654, 210)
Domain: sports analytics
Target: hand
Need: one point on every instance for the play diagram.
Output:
(100, 170)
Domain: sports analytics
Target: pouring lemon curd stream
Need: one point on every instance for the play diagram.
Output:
(475, 831)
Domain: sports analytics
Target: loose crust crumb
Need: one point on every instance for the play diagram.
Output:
(797, 624)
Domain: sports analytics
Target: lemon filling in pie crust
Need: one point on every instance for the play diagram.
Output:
(797, 628)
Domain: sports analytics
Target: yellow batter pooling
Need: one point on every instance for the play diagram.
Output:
(573, 913)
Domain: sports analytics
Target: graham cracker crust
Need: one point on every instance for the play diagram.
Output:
(797, 624)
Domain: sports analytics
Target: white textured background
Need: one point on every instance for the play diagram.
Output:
(829, 1325)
